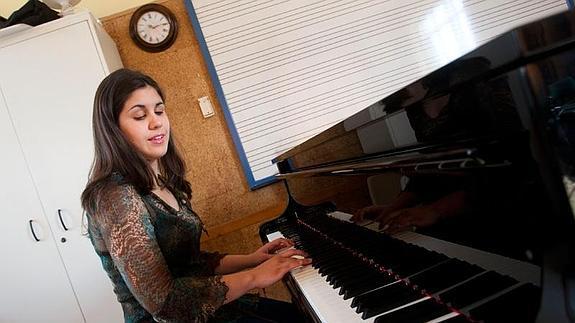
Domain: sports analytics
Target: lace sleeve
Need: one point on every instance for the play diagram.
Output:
(211, 261)
(129, 236)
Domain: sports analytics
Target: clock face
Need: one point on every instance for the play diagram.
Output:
(153, 27)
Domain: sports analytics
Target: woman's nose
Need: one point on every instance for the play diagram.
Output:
(155, 122)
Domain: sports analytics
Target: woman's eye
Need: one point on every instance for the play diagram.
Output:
(159, 112)
(140, 117)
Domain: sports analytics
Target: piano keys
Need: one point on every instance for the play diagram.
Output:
(479, 158)
(346, 284)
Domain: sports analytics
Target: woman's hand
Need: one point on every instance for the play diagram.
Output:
(265, 274)
(269, 250)
(273, 269)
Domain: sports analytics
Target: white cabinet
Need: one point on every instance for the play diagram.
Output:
(48, 77)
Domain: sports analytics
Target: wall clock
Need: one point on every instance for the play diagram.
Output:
(153, 27)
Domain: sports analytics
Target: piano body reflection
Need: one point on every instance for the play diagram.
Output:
(472, 167)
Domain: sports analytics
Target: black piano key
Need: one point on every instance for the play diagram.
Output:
(518, 305)
(420, 312)
(385, 296)
(444, 275)
(358, 288)
(346, 273)
(362, 274)
(386, 299)
(339, 266)
(476, 289)
(416, 263)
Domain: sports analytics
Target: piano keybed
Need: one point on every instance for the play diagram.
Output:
(373, 277)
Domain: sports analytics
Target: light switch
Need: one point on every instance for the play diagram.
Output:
(206, 106)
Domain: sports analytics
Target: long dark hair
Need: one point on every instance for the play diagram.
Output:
(115, 154)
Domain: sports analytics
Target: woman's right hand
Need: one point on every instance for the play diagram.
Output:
(273, 269)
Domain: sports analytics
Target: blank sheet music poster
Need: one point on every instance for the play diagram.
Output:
(287, 70)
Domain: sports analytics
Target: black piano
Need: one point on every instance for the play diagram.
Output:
(471, 171)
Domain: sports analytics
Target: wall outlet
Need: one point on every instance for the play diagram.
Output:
(206, 106)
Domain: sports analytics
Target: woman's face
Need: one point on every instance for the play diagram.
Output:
(145, 124)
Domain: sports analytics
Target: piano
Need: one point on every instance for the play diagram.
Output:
(471, 170)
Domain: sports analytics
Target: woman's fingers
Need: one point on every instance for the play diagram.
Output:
(293, 252)
(278, 244)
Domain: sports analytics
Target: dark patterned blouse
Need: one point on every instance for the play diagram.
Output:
(151, 253)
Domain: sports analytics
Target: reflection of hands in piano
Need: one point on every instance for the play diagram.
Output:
(393, 219)
(380, 213)
(273, 269)
(409, 219)
(268, 250)
(405, 213)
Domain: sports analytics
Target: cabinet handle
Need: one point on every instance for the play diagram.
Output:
(32, 230)
(62, 220)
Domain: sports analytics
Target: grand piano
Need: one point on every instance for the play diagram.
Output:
(471, 171)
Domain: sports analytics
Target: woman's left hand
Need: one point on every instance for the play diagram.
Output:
(270, 249)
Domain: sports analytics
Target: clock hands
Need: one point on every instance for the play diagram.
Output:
(158, 25)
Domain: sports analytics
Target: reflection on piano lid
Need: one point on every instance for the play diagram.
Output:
(479, 156)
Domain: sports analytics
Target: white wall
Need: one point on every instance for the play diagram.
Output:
(99, 8)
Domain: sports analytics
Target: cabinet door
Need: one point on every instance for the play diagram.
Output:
(49, 83)
(33, 282)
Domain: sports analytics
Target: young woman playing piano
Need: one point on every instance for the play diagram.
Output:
(143, 227)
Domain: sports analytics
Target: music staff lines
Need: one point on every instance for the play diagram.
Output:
(327, 97)
(331, 60)
(280, 17)
(268, 90)
(238, 40)
(248, 8)
(377, 89)
(280, 31)
(253, 67)
(334, 35)
(271, 150)
(321, 82)
(330, 73)
(311, 38)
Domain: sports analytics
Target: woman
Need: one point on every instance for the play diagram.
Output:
(144, 230)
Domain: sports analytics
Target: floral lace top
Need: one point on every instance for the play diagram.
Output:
(151, 253)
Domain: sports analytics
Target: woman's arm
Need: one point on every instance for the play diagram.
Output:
(235, 263)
